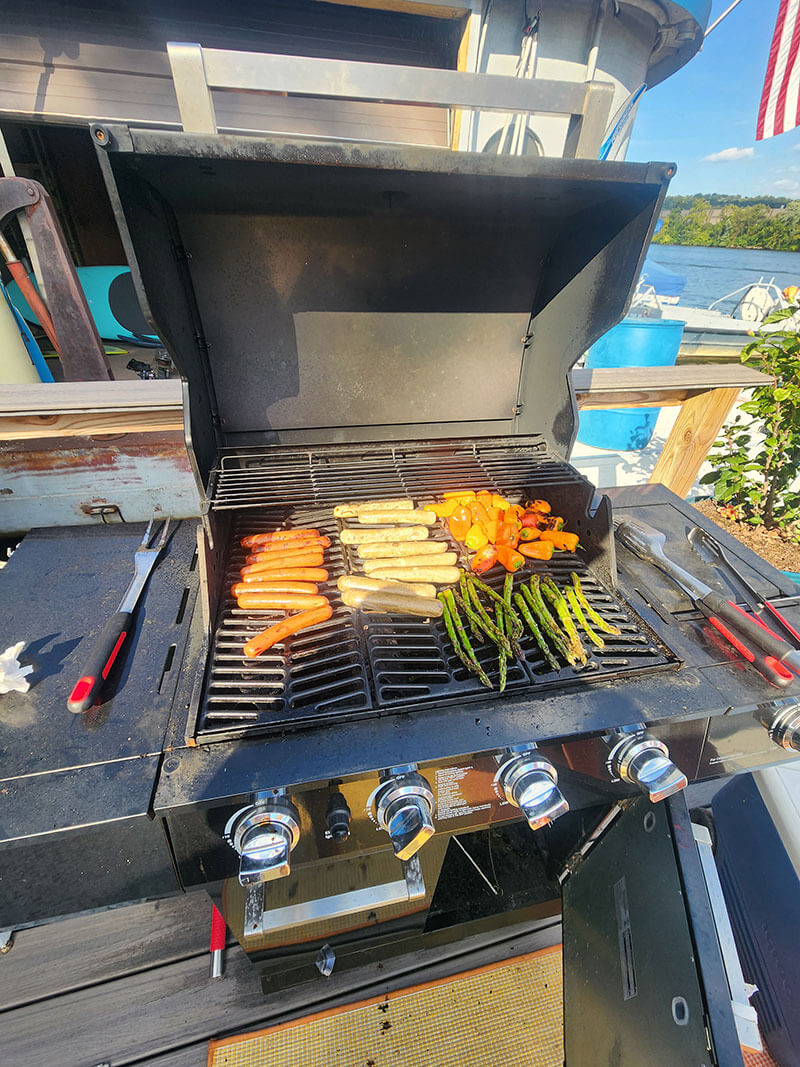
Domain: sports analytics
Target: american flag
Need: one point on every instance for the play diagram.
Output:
(780, 97)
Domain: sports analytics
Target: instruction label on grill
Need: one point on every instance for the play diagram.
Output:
(452, 801)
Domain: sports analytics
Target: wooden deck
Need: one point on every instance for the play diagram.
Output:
(131, 986)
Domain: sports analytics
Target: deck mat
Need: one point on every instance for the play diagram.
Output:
(505, 1013)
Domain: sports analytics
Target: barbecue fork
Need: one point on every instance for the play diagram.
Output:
(112, 638)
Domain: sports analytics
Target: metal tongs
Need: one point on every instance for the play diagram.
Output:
(112, 638)
(759, 645)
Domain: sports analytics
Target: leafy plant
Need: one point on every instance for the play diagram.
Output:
(756, 460)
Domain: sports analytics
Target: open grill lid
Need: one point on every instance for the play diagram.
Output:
(316, 292)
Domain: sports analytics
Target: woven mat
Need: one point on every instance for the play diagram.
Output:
(505, 1013)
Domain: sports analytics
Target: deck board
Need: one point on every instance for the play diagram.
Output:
(130, 986)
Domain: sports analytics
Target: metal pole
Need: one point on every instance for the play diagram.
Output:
(724, 15)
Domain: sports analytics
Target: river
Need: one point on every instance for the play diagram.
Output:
(713, 272)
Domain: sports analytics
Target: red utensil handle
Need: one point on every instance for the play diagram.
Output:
(772, 669)
(783, 621)
(218, 930)
(746, 626)
(106, 649)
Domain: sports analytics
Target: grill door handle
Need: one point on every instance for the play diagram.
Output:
(260, 919)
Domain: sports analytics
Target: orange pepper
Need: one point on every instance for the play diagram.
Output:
(514, 512)
(493, 525)
(460, 522)
(442, 511)
(510, 558)
(508, 534)
(479, 513)
(459, 494)
(551, 522)
(484, 497)
(537, 549)
(528, 533)
(477, 537)
(539, 505)
(484, 560)
(561, 539)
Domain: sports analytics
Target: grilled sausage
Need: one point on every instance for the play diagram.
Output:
(350, 582)
(364, 537)
(389, 549)
(398, 518)
(441, 559)
(349, 511)
(392, 602)
(436, 575)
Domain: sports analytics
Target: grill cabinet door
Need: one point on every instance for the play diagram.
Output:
(639, 962)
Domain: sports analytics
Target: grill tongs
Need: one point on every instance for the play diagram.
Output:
(759, 645)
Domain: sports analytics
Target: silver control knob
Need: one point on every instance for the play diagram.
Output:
(782, 720)
(264, 835)
(530, 781)
(644, 761)
(403, 807)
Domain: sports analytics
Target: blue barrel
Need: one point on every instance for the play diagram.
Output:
(631, 343)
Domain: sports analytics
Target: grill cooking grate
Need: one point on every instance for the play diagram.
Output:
(328, 476)
(359, 664)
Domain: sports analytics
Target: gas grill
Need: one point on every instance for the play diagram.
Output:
(355, 322)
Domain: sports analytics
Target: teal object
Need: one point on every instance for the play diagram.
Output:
(794, 575)
(631, 343)
(112, 301)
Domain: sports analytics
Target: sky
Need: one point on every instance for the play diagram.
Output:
(704, 117)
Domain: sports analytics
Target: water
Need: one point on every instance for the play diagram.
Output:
(713, 272)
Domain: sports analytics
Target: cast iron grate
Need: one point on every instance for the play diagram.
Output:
(361, 664)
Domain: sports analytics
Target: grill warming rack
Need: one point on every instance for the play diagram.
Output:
(360, 664)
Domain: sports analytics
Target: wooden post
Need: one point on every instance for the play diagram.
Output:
(695, 431)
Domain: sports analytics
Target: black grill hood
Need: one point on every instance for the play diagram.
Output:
(315, 292)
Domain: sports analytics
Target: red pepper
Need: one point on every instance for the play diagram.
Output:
(460, 522)
(531, 518)
(537, 549)
(510, 558)
(508, 534)
(484, 560)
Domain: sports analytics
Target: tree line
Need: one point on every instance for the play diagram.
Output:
(746, 222)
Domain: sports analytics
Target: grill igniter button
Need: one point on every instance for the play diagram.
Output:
(644, 761)
(337, 818)
(264, 835)
(530, 781)
(403, 807)
(782, 720)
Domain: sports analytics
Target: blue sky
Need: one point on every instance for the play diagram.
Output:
(711, 105)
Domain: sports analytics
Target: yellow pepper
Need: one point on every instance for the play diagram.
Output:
(476, 538)
(443, 511)
(500, 502)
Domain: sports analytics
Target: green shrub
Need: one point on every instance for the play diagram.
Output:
(757, 481)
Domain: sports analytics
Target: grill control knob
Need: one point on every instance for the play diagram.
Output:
(782, 720)
(403, 807)
(644, 761)
(264, 835)
(530, 781)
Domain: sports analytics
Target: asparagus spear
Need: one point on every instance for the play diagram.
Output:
(502, 659)
(537, 633)
(577, 611)
(486, 623)
(556, 598)
(455, 630)
(533, 596)
(587, 607)
(466, 607)
(487, 589)
(514, 627)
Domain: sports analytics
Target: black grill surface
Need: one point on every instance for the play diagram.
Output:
(366, 663)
